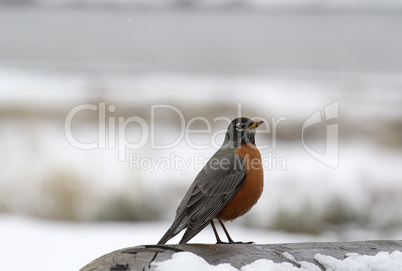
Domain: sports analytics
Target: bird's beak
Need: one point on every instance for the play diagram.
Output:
(255, 125)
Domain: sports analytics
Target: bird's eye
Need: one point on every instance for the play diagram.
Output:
(239, 127)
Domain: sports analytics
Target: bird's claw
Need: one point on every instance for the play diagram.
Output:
(246, 243)
(233, 242)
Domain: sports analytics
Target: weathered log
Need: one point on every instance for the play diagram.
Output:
(238, 255)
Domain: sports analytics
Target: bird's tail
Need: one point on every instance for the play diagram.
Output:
(176, 227)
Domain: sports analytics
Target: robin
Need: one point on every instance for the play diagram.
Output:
(226, 188)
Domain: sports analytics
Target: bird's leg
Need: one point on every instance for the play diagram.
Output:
(218, 240)
(228, 236)
(226, 232)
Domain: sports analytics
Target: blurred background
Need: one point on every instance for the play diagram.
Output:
(272, 59)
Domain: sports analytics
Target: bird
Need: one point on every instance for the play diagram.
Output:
(228, 185)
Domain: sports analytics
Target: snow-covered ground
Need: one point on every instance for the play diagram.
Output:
(32, 244)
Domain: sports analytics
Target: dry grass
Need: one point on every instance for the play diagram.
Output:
(382, 213)
(64, 196)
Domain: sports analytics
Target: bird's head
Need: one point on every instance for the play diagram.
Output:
(241, 131)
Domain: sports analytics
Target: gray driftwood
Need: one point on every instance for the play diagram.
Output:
(238, 255)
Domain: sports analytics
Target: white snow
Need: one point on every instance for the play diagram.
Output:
(268, 265)
(304, 265)
(34, 244)
(383, 261)
(187, 261)
(31, 244)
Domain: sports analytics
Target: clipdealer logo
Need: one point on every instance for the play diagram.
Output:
(112, 134)
(331, 155)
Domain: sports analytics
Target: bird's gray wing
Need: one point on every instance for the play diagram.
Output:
(213, 188)
(215, 185)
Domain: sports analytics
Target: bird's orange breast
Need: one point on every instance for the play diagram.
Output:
(251, 190)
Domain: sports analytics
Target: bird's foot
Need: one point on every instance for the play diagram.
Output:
(239, 242)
